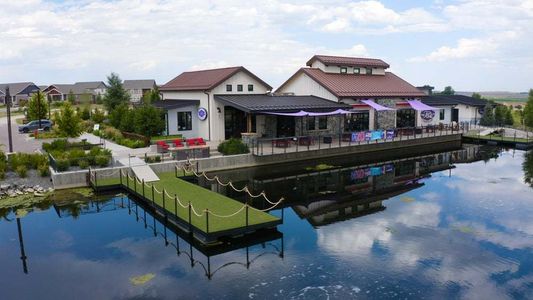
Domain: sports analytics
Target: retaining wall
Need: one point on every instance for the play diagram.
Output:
(218, 163)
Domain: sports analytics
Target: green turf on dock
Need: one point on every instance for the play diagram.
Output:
(201, 199)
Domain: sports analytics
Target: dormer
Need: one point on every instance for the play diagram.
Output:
(348, 65)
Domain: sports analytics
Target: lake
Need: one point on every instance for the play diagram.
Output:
(455, 224)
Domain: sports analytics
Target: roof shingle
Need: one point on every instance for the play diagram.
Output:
(267, 103)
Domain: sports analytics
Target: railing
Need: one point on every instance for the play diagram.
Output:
(272, 146)
(476, 130)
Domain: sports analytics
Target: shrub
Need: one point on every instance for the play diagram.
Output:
(22, 171)
(112, 133)
(85, 113)
(62, 164)
(2, 174)
(233, 146)
(60, 144)
(102, 160)
(98, 116)
(43, 170)
(68, 122)
(75, 155)
(83, 163)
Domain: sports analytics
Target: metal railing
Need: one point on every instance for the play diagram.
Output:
(282, 145)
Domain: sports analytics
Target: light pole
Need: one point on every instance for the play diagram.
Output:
(39, 107)
(8, 107)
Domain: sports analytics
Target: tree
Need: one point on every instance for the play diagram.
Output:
(527, 166)
(509, 120)
(476, 96)
(149, 121)
(499, 114)
(86, 113)
(151, 96)
(98, 116)
(488, 116)
(115, 94)
(116, 115)
(68, 122)
(528, 110)
(37, 107)
(448, 91)
(71, 97)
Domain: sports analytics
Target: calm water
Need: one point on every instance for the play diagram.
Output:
(449, 225)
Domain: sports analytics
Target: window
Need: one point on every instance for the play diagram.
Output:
(357, 121)
(250, 88)
(405, 118)
(357, 70)
(344, 70)
(441, 114)
(239, 87)
(311, 123)
(323, 122)
(369, 71)
(184, 120)
(229, 87)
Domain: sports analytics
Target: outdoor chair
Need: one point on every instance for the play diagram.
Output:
(191, 142)
(200, 141)
(178, 143)
(162, 147)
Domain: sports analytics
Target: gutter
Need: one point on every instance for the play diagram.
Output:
(208, 116)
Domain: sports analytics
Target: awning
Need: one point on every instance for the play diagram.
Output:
(302, 113)
(376, 106)
(417, 105)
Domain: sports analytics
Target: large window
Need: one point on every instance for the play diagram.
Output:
(239, 87)
(323, 122)
(184, 120)
(357, 121)
(310, 123)
(229, 87)
(405, 118)
(369, 71)
(250, 88)
(441, 114)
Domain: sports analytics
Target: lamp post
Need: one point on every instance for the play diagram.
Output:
(8, 107)
(39, 107)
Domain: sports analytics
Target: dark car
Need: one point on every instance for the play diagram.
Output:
(34, 125)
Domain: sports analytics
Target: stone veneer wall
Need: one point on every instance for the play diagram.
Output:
(385, 119)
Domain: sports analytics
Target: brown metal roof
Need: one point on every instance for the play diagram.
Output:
(360, 86)
(205, 79)
(348, 61)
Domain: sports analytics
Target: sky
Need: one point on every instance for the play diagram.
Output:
(472, 45)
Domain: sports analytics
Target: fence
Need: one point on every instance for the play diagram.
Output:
(271, 146)
(498, 135)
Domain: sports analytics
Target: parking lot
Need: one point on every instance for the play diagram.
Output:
(21, 142)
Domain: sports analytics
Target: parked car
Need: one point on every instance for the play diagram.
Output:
(34, 125)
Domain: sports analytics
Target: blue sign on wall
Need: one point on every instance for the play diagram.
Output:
(202, 113)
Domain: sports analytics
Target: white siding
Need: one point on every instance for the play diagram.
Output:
(244, 79)
(303, 85)
(337, 69)
(468, 113)
(173, 122)
(436, 119)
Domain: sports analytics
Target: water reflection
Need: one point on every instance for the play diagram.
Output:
(527, 166)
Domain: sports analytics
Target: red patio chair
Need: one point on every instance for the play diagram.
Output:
(200, 141)
(178, 143)
(162, 146)
(191, 142)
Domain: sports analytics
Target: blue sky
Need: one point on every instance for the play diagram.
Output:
(478, 45)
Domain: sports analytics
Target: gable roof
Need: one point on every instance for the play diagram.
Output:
(16, 87)
(453, 100)
(348, 61)
(62, 88)
(89, 85)
(140, 84)
(205, 79)
(360, 86)
(281, 103)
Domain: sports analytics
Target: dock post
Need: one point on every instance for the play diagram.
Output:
(128, 181)
(207, 219)
(190, 224)
(120, 176)
(143, 190)
(246, 215)
(176, 171)
(135, 184)
(164, 207)
(95, 182)
(153, 196)
(176, 205)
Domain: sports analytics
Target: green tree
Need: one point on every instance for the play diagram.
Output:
(115, 94)
(149, 121)
(477, 96)
(527, 166)
(68, 122)
(37, 107)
(116, 115)
(151, 96)
(488, 116)
(86, 113)
(509, 120)
(528, 110)
(499, 115)
(71, 97)
(448, 91)
(98, 116)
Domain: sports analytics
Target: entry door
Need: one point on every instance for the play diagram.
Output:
(455, 115)
(285, 126)
(234, 122)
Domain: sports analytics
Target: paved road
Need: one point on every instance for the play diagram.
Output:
(21, 142)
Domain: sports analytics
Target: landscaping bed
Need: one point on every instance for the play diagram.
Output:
(64, 155)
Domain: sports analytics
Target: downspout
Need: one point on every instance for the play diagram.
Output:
(208, 116)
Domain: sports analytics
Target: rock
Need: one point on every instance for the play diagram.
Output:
(30, 190)
(4, 187)
(19, 192)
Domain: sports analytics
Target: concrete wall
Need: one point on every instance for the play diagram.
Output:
(68, 180)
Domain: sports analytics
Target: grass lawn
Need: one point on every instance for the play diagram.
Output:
(201, 199)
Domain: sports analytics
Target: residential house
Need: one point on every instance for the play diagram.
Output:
(137, 88)
(379, 98)
(83, 91)
(58, 92)
(19, 91)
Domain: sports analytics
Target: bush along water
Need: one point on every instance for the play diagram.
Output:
(233, 146)
(20, 163)
(82, 155)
